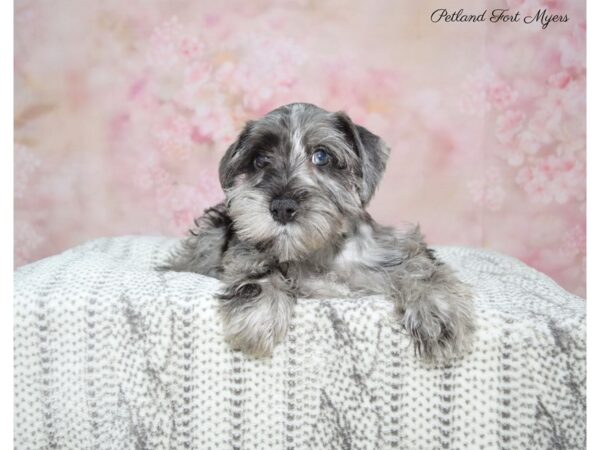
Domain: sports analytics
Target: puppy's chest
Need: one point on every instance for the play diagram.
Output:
(354, 271)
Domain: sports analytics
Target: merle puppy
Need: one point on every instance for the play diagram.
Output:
(293, 224)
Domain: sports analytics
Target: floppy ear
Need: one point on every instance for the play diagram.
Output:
(372, 152)
(231, 160)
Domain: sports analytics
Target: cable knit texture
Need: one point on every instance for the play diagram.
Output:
(111, 354)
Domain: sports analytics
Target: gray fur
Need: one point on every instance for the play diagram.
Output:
(331, 248)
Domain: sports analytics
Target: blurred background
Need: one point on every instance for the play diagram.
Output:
(123, 109)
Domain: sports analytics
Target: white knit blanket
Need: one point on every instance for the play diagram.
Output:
(110, 354)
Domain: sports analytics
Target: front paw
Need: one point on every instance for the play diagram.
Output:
(441, 323)
(255, 317)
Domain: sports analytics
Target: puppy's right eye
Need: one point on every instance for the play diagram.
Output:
(261, 161)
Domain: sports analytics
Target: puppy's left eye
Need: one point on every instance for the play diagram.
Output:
(320, 157)
(260, 161)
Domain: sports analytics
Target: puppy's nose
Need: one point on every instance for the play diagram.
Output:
(283, 209)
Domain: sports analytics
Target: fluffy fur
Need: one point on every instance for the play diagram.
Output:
(332, 246)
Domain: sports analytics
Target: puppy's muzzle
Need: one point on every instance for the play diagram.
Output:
(283, 209)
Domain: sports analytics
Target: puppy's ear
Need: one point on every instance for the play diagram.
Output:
(231, 161)
(372, 152)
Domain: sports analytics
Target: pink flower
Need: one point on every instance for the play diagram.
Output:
(171, 43)
(553, 178)
(213, 122)
(485, 89)
(474, 98)
(534, 185)
(572, 148)
(501, 95)
(513, 155)
(164, 46)
(196, 77)
(487, 190)
(173, 137)
(263, 57)
(179, 203)
(574, 242)
(529, 142)
(508, 124)
(190, 48)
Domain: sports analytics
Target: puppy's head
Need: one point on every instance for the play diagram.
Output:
(297, 178)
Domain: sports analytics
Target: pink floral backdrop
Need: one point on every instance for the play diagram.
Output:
(123, 109)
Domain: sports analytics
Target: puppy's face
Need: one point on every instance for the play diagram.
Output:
(297, 178)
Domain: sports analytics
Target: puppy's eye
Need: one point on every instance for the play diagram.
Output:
(320, 157)
(261, 161)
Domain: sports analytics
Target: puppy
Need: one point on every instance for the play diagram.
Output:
(294, 224)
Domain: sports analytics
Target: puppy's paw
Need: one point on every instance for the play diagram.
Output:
(441, 322)
(255, 317)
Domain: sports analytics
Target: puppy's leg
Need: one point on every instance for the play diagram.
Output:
(257, 303)
(436, 308)
(202, 251)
